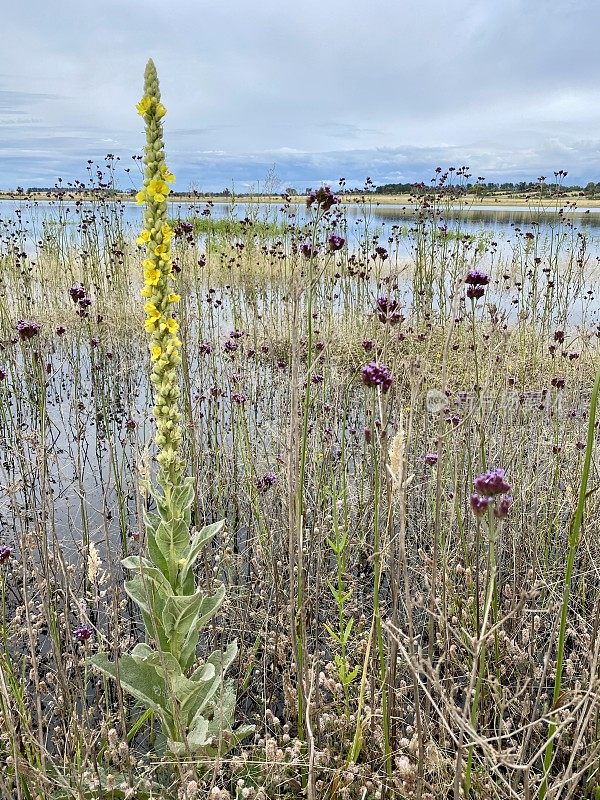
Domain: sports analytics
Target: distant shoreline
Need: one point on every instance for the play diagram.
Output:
(466, 202)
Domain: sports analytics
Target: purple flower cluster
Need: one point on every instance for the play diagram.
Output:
(476, 280)
(374, 374)
(380, 252)
(335, 242)
(268, 480)
(27, 329)
(490, 487)
(431, 459)
(388, 311)
(307, 250)
(83, 632)
(5, 553)
(239, 398)
(323, 197)
(491, 483)
(3, 373)
(79, 296)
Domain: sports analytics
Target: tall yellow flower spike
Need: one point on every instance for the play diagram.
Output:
(160, 323)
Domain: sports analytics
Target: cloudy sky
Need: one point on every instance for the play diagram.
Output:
(316, 90)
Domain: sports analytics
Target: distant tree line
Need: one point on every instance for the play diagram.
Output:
(482, 188)
(591, 190)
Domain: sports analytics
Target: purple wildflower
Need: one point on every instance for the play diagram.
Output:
(335, 242)
(268, 480)
(491, 483)
(503, 507)
(5, 553)
(239, 398)
(374, 374)
(479, 505)
(308, 250)
(431, 459)
(83, 632)
(475, 292)
(388, 311)
(476, 277)
(323, 197)
(61, 330)
(77, 292)
(27, 329)
(2, 373)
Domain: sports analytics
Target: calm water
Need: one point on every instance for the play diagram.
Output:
(506, 225)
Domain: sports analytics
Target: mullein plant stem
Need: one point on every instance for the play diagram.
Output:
(193, 701)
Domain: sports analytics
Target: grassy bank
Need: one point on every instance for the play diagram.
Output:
(394, 639)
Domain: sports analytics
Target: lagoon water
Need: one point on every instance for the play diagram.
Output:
(505, 225)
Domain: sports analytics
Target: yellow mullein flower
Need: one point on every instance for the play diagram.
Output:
(152, 311)
(148, 263)
(167, 232)
(144, 237)
(170, 325)
(160, 110)
(166, 174)
(152, 276)
(140, 197)
(155, 351)
(147, 291)
(157, 186)
(144, 105)
(174, 298)
(161, 250)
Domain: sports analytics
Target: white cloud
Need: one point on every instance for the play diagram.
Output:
(509, 87)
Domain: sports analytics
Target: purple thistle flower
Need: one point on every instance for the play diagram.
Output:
(230, 346)
(61, 330)
(476, 277)
(503, 507)
(27, 329)
(491, 483)
(83, 632)
(2, 373)
(431, 459)
(239, 398)
(335, 242)
(5, 553)
(479, 505)
(205, 348)
(374, 374)
(381, 252)
(367, 345)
